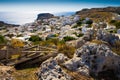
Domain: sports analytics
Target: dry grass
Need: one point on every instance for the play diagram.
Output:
(116, 47)
(76, 75)
(98, 16)
(99, 42)
(26, 74)
(15, 56)
(66, 49)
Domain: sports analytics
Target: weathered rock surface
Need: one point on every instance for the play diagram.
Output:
(5, 73)
(95, 60)
(50, 70)
(61, 58)
(44, 16)
(108, 37)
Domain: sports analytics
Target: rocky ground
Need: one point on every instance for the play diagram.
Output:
(5, 73)
(91, 59)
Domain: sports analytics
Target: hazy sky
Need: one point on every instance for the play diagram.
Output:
(53, 5)
(24, 11)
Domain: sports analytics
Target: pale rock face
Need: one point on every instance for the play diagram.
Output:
(61, 58)
(92, 59)
(110, 38)
(80, 42)
(50, 70)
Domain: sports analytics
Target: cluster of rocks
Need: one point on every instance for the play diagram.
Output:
(86, 37)
(98, 35)
(95, 60)
(108, 37)
(50, 70)
(5, 73)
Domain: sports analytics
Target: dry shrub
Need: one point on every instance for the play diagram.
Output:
(17, 43)
(99, 42)
(66, 49)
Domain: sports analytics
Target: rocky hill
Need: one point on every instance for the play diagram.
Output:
(99, 14)
(3, 24)
(44, 16)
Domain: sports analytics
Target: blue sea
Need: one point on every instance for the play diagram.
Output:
(22, 18)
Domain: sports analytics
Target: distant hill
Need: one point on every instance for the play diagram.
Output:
(44, 16)
(99, 14)
(3, 24)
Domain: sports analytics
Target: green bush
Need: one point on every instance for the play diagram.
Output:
(112, 21)
(89, 22)
(2, 39)
(68, 38)
(113, 31)
(35, 38)
(75, 26)
(117, 24)
(80, 35)
(79, 23)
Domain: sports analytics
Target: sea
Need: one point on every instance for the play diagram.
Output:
(20, 18)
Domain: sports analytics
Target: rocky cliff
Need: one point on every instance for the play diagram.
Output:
(44, 16)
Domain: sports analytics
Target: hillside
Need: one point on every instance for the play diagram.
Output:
(3, 24)
(99, 14)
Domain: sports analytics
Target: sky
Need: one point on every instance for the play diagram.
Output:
(53, 5)
(27, 10)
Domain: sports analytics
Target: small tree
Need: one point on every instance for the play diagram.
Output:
(68, 38)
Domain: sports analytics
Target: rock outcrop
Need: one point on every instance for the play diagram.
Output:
(95, 60)
(3, 25)
(50, 70)
(97, 35)
(44, 16)
(107, 37)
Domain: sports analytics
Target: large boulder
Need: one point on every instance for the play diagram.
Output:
(108, 37)
(94, 60)
(50, 70)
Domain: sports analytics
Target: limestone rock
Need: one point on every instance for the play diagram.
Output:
(108, 37)
(80, 42)
(93, 59)
(50, 70)
(61, 58)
